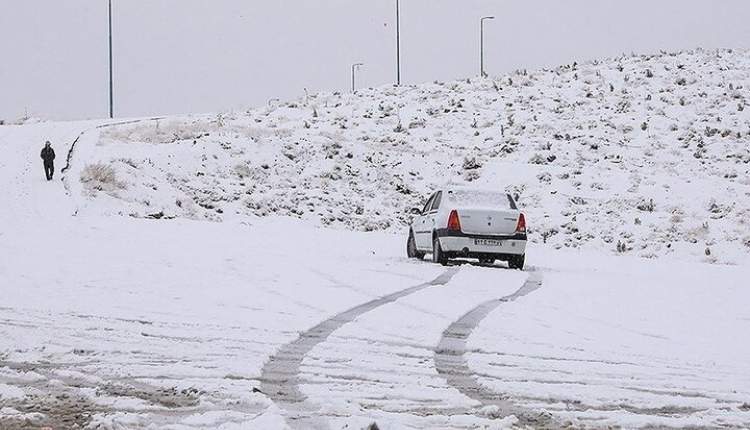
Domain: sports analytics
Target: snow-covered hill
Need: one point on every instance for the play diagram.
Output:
(645, 155)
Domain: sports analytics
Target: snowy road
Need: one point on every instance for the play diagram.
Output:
(280, 375)
(451, 362)
(214, 342)
(153, 335)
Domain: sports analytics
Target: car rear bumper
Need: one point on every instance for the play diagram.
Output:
(458, 244)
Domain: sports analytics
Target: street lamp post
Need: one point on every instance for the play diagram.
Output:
(111, 90)
(354, 69)
(398, 42)
(481, 45)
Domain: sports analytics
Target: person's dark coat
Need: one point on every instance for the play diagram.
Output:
(48, 155)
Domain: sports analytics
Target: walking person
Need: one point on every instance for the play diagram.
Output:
(48, 155)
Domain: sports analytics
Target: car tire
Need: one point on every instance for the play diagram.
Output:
(517, 262)
(437, 253)
(411, 248)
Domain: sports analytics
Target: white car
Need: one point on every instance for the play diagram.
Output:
(462, 223)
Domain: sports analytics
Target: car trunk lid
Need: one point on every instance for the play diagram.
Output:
(485, 212)
(493, 222)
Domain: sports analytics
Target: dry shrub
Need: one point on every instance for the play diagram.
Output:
(101, 177)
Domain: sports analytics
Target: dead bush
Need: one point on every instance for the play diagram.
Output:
(101, 177)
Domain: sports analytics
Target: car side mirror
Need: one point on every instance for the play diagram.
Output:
(415, 211)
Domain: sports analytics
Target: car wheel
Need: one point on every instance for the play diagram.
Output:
(437, 253)
(517, 262)
(486, 261)
(411, 248)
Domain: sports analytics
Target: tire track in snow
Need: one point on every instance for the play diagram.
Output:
(451, 363)
(280, 376)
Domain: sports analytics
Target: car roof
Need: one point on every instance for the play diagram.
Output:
(464, 188)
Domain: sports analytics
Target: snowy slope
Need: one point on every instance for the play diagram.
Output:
(646, 155)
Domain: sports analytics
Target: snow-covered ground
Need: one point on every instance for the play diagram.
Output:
(624, 343)
(124, 306)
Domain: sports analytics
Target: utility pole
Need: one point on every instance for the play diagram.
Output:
(482, 73)
(111, 91)
(354, 69)
(398, 42)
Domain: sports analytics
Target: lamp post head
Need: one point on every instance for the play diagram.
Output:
(487, 17)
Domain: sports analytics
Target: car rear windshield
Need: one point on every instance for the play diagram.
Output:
(481, 199)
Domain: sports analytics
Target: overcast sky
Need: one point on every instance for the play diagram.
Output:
(180, 56)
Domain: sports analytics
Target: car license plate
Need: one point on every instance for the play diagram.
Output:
(487, 242)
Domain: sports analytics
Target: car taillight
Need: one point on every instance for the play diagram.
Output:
(453, 222)
(521, 226)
